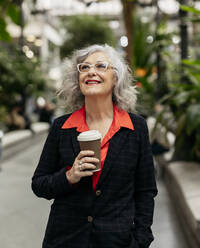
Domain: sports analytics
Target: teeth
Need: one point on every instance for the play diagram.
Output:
(92, 82)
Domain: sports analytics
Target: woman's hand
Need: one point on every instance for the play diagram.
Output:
(83, 164)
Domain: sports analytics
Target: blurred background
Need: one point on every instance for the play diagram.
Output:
(160, 40)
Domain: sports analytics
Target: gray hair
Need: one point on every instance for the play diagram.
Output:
(124, 93)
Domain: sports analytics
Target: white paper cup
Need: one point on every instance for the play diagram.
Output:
(91, 140)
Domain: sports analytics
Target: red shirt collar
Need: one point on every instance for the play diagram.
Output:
(77, 120)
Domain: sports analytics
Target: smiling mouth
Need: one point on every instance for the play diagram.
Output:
(92, 82)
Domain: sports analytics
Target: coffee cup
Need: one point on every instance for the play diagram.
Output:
(91, 140)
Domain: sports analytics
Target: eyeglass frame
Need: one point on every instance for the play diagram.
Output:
(93, 66)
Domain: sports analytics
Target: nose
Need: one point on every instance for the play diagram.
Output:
(92, 70)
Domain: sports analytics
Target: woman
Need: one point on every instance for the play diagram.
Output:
(111, 208)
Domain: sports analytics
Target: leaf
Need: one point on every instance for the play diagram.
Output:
(191, 62)
(195, 20)
(4, 35)
(2, 24)
(194, 77)
(193, 118)
(181, 124)
(189, 9)
(165, 98)
(181, 98)
(14, 13)
(2, 2)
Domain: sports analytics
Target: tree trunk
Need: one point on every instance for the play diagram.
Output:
(184, 39)
(21, 38)
(128, 21)
(183, 31)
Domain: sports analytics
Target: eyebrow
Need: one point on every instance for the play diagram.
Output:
(95, 62)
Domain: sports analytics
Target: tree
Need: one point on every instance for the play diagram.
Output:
(20, 77)
(84, 30)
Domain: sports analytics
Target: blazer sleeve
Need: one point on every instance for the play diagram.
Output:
(48, 181)
(145, 191)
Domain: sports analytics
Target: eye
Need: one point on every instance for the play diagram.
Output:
(101, 66)
(84, 67)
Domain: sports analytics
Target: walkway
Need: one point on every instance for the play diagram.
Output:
(166, 228)
(23, 216)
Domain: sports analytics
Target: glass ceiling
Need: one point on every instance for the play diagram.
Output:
(74, 7)
(110, 8)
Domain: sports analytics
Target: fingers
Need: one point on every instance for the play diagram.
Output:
(86, 173)
(86, 166)
(78, 171)
(87, 157)
(83, 164)
(85, 161)
(85, 154)
(91, 160)
(82, 170)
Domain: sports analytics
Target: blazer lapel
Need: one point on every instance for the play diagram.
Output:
(116, 143)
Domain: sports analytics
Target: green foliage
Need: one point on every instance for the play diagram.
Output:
(20, 77)
(84, 30)
(4, 35)
(146, 99)
(181, 105)
(143, 64)
(14, 13)
(163, 39)
(8, 10)
(184, 103)
(190, 9)
(149, 57)
(193, 118)
(142, 50)
(194, 13)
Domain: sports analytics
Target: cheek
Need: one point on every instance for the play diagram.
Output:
(113, 81)
(81, 80)
(114, 78)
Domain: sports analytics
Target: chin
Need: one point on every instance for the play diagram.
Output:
(91, 93)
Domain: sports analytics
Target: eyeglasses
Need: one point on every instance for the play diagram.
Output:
(99, 67)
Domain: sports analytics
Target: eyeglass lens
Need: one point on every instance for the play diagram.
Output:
(100, 66)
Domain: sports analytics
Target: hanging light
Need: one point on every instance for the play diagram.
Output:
(197, 5)
(149, 39)
(124, 41)
(145, 2)
(169, 7)
(29, 54)
(176, 39)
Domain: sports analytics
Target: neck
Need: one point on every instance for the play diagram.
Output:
(97, 109)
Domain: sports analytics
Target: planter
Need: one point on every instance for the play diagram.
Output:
(182, 180)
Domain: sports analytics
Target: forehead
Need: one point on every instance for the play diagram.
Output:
(97, 56)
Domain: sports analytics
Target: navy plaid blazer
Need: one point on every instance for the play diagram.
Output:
(119, 213)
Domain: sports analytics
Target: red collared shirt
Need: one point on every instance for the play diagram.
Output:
(120, 119)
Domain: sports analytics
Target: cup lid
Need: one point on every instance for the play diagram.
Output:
(89, 135)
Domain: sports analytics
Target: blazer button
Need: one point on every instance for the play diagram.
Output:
(98, 192)
(90, 219)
